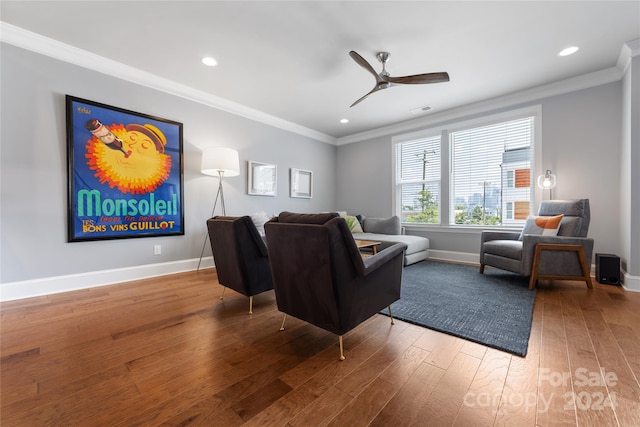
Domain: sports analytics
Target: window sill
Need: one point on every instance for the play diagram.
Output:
(436, 228)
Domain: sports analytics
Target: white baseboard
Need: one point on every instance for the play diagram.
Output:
(73, 282)
(465, 257)
(53, 285)
(631, 283)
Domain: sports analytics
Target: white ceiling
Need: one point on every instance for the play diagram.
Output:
(290, 59)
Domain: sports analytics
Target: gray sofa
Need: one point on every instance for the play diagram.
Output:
(389, 231)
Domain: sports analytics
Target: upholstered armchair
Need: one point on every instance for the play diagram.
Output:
(319, 275)
(566, 255)
(240, 256)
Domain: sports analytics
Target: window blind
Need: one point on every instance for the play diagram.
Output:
(418, 180)
(491, 169)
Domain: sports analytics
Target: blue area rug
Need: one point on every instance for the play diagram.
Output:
(494, 308)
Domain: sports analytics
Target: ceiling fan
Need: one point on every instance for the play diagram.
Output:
(384, 80)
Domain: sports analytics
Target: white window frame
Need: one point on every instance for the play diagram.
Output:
(445, 159)
(396, 193)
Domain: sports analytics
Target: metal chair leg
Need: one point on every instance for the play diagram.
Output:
(391, 316)
(251, 305)
(283, 319)
(341, 348)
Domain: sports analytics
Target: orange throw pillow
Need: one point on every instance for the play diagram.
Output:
(542, 225)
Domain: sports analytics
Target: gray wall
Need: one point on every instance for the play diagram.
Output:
(34, 178)
(365, 178)
(581, 143)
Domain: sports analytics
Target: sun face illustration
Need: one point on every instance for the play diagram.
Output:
(138, 167)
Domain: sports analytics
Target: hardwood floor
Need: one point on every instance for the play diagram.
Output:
(168, 351)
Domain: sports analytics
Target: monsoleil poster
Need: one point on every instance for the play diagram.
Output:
(125, 173)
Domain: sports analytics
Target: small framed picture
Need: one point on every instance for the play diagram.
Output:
(301, 183)
(262, 179)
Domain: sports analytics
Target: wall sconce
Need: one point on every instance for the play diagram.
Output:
(547, 182)
(221, 162)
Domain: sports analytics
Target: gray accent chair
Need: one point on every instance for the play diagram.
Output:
(240, 256)
(515, 252)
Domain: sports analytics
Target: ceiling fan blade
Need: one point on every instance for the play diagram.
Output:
(420, 79)
(364, 64)
(375, 89)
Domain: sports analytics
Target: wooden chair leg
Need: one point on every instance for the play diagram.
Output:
(579, 250)
(534, 268)
(283, 319)
(341, 348)
(585, 268)
(481, 268)
(251, 305)
(223, 289)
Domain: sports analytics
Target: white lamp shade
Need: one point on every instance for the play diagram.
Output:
(220, 159)
(547, 181)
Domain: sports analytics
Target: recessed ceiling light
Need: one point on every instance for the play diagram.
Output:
(207, 60)
(568, 51)
(344, 120)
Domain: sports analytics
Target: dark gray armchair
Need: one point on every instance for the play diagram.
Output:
(509, 251)
(319, 275)
(240, 256)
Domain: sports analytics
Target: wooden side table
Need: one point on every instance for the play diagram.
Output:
(360, 244)
(586, 274)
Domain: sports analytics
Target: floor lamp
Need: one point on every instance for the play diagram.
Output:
(221, 162)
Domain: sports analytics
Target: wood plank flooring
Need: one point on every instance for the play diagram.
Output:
(169, 351)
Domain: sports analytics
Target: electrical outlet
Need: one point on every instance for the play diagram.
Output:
(157, 249)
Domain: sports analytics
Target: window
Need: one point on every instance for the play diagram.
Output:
(418, 180)
(510, 179)
(491, 167)
(482, 178)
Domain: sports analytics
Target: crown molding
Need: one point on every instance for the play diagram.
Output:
(561, 87)
(629, 50)
(49, 47)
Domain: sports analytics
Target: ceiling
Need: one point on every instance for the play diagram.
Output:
(290, 59)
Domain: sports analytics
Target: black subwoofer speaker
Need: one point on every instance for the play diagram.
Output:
(608, 269)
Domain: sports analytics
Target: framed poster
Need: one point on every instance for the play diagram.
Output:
(125, 173)
(262, 179)
(301, 183)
